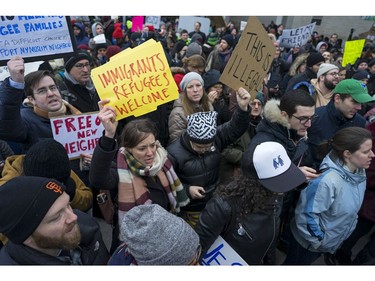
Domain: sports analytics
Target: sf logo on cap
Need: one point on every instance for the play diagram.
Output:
(54, 187)
(278, 162)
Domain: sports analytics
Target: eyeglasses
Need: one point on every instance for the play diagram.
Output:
(82, 65)
(304, 119)
(195, 260)
(333, 74)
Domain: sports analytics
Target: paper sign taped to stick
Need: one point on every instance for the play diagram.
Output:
(136, 80)
(220, 253)
(79, 133)
(250, 60)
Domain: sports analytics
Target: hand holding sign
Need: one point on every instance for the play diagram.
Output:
(250, 60)
(243, 98)
(16, 68)
(136, 80)
(107, 115)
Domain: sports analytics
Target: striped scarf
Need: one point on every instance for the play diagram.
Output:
(133, 189)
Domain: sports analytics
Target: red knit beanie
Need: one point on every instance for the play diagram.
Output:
(177, 78)
(112, 50)
(117, 33)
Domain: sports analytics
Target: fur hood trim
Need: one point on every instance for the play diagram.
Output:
(272, 113)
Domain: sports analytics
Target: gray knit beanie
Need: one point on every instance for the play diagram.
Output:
(193, 49)
(189, 77)
(156, 237)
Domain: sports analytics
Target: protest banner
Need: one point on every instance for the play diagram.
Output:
(220, 253)
(136, 80)
(79, 133)
(250, 60)
(35, 37)
(368, 35)
(296, 37)
(187, 22)
(352, 51)
(153, 20)
(137, 23)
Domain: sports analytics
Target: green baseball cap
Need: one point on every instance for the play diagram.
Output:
(355, 88)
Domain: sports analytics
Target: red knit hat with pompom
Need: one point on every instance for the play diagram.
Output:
(117, 33)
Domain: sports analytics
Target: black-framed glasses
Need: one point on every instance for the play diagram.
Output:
(335, 74)
(82, 65)
(304, 119)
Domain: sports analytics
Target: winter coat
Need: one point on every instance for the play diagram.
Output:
(20, 123)
(82, 199)
(83, 97)
(82, 38)
(274, 127)
(203, 169)
(326, 212)
(250, 236)
(328, 122)
(177, 121)
(367, 210)
(306, 76)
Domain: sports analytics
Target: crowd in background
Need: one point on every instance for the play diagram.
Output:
(171, 181)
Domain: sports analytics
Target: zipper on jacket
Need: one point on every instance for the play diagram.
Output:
(274, 232)
(242, 231)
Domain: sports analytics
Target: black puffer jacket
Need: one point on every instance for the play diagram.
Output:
(251, 236)
(203, 169)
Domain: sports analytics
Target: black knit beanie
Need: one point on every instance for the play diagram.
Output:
(24, 201)
(229, 39)
(211, 78)
(313, 59)
(47, 158)
(76, 58)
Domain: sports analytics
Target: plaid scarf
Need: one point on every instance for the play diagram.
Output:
(133, 189)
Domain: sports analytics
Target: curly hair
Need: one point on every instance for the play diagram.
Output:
(252, 196)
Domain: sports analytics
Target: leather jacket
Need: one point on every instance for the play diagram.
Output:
(252, 236)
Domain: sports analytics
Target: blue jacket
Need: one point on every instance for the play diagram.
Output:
(326, 212)
(328, 122)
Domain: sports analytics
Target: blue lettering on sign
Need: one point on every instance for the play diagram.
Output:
(216, 257)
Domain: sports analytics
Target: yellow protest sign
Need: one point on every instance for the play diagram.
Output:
(136, 80)
(251, 59)
(352, 51)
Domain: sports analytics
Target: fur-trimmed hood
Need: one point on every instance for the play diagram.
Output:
(272, 113)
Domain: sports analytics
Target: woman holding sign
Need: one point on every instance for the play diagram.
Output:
(141, 173)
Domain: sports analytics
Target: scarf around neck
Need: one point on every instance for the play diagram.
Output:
(133, 190)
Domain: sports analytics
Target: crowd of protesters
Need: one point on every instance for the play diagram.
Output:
(290, 169)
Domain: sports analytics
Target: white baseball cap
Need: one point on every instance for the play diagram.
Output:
(274, 168)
